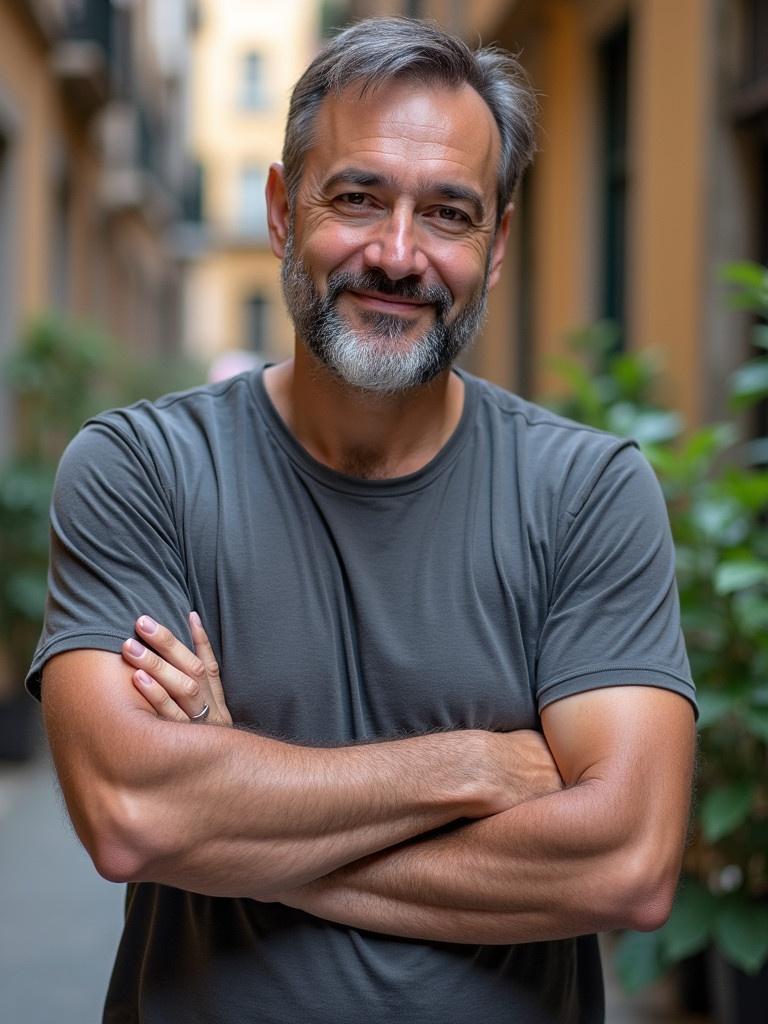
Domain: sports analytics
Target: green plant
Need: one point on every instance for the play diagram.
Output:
(716, 488)
(62, 373)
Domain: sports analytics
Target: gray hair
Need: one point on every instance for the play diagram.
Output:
(379, 50)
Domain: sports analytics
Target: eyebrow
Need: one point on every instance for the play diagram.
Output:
(444, 189)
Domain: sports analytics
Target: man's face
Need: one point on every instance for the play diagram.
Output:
(393, 244)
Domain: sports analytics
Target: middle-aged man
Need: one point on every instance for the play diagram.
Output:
(446, 619)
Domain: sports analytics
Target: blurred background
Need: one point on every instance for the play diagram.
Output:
(135, 140)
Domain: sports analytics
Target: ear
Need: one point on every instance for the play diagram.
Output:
(278, 214)
(499, 245)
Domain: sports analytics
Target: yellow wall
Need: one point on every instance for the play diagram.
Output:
(671, 67)
(115, 265)
(225, 137)
(668, 221)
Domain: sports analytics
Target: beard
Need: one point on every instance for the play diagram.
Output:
(379, 357)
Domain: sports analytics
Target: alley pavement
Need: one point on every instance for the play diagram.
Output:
(60, 922)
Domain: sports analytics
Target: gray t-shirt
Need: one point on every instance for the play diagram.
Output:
(529, 560)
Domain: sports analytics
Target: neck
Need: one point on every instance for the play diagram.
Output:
(361, 433)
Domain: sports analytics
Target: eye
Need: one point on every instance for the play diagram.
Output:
(353, 198)
(450, 218)
(452, 214)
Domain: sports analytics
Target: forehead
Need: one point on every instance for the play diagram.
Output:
(407, 130)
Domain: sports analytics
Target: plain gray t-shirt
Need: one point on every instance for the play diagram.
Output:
(529, 560)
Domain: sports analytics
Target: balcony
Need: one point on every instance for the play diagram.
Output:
(82, 54)
(134, 178)
(48, 16)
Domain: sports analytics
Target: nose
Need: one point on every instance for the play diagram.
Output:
(395, 246)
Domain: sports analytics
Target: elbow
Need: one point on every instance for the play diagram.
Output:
(646, 890)
(120, 840)
(649, 910)
(116, 862)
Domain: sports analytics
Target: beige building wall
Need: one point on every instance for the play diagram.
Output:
(693, 187)
(68, 241)
(236, 135)
(668, 117)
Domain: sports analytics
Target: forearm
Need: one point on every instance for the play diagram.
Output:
(227, 812)
(547, 869)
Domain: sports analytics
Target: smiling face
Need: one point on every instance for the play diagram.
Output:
(394, 239)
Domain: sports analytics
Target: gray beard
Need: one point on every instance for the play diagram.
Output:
(368, 359)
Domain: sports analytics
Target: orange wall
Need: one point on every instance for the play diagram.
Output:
(671, 55)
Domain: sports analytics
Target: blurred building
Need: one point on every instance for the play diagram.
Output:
(245, 58)
(652, 171)
(91, 163)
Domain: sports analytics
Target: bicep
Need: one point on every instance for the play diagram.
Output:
(93, 717)
(636, 742)
(115, 553)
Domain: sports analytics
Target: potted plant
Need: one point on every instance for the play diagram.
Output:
(717, 495)
(62, 372)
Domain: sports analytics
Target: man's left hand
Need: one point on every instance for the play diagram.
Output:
(177, 682)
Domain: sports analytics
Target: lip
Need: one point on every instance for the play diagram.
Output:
(387, 303)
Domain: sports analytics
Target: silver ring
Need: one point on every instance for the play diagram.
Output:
(201, 715)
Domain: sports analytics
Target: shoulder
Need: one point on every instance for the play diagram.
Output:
(550, 453)
(537, 422)
(167, 431)
(194, 410)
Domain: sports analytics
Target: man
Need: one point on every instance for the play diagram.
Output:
(407, 575)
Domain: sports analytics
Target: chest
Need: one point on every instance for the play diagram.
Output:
(341, 617)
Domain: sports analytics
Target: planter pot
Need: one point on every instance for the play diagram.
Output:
(693, 984)
(20, 728)
(738, 998)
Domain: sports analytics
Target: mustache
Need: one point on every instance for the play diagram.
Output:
(377, 281)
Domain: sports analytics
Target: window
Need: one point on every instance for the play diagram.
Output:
(253, 94)
(256, 310)
(750, 109)
(756, 42)
(192, 201)
(7, 297)
(59, 251)
(614, 81)
(252, 216)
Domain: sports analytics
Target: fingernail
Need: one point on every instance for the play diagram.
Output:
(147, 625)
(135, 648)
(195, 619)
(143, 679)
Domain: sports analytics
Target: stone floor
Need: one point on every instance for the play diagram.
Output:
(60, 921)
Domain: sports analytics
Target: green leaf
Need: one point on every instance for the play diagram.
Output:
(701, 448)
(743, 272)
(749, 382)
(751, 611)
(720, 520)
(748, 488)
(757, 451)
(689, 927)
(750, 285)
(738, 575)
(741, 932)
(757, 722)
(26, 592)
(638, 959)
(760, 336)
(713, 706)
(646, 426)
(723, 809)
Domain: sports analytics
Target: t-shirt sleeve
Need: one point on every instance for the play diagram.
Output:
(114, 547)
(613, 616)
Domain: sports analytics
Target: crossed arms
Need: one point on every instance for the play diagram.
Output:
(349, 833)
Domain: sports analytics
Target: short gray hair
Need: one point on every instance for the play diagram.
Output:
(378, 50)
